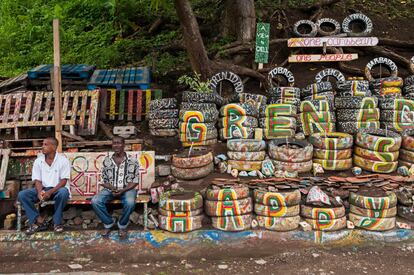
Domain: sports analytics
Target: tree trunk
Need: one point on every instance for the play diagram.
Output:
(192, 38)
(239, 19)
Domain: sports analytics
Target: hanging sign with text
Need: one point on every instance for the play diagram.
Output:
(314, 42)
(302, 58)
(262, 42)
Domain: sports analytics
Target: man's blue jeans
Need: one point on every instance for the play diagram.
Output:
(100, 200)
(28, 198)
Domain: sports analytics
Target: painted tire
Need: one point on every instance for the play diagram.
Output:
(406, 212)
(160, 114)
(174, 201)
(376, 203)
(329, 96)
(330, 21)
(327, 225)
(285, 73)
(383, 61)
(391, 116)
(291, 101)
(192, 173)
(408, 140)
(397, 127)
(387, 92)
(246, 145)
(245, 165)
(320, 128)
(312, 33)
(386, 103)
(165, 123)
(337, 75)
(351, 127)
(178, 224)
(236, 192)
(405, 163)
(279, 110)
(284, 92)
(278, 150)
(410, 79)
(278, 122)
(278, 224)
(408, 90)
(332, 154)
(373, 213)
(245, 109)
(317, 88)
(323, 117)
(207, 142)
(335, 165)
(199, 159)
(208, 115)
(170, 213)
(237, 133)
(356, 102)
(375, 155)
(163, 132)
(277, 199)
(322, 213)
(385, 82)
(188, 138)
(274, 211)
(256, 99)
(232, 223)
(208, 125)
(164, 103)
(248, 121)
(372, 224)
(247, 156)
(331, 141)
(350, 88)
(346, 24)
(231, 77)
(378, 140)
(357, 115)
(407, 155)
(316, 106)
(375, 166)
(196, 97)
(300, 167)
(221, 208)
(190, 106)
(278, 133)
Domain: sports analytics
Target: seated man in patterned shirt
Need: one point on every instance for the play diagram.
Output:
(120, 176)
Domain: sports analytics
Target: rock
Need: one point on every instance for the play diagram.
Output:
(260, 175)
(403, 225)
(260, 262)
(315, 255)
(87, 221)
(356, 171)
(317, 169)
(300, 136)
(243, 174)
(252, 173)
(222, 266)
(350, 225)
(288, 174)
(234, 172)
(188, 266)
(77, 221)
(305, 226)
(254, 223)
(403, 171)
(9, 222)
(84, 226)
(229, 169)
(69, 222)
(222, 157)
(70, 213)
(75, 266)
(163, 170)
(134, 217)
(90, 215)
(316, 195)
(222, 167)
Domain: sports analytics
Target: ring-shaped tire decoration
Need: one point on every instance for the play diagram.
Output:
(278, 224)
(353, 127)
(279, 110)
(285, 73)
(247, 156)
(246, 145)
(276, 211)
(328, 73)
(278, 150)
(277, 199)
(374, 213)
(383, 61)
(331, 22)
(237, 133)
(206, 142)
(279, 122)
(322, 213)
(334, 165)
(378, 140)
(375, 155)
(233, 192)
(292, 101)
(372, 224)
(397, 127)
(196, 159)
(192, 173)
(327, 225)
(382, 167)
(313, 128)
(331, 141)
(356, 102)
(215, 208)
(332, 154)
(207, 115)
(350, 88)
(307, 106)
(391, 116)
(162, 104)
(346, 24)
(313, 27)
(408, 90)
(231, 77)
(371, 202)
(386, 82)
(179, 201)
(300, 167)
(329, 96)
(387, 91)
(242, 109)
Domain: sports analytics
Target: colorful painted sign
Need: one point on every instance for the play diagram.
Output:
(314, 42)
(262, 42)
(302, 58)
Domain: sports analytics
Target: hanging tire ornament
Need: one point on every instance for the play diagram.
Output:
(231, 77)
(328, 22)
(326, 73)
(285, 73)
(308, 23)
(380, 61)
(357, 17)
(281, 150)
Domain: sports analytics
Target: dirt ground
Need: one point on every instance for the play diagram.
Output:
(394, 258)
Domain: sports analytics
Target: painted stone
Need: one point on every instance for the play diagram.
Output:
(316, 195)
(335, 165)
(222, 167)
(376, 203)
(277, 199)
(268, 169)
(317, 169)
(235, 192)
(406, 212)
(375, 155)
(246, 145)
(197, 159)
(276, 211)
(228, 208)
(278, 224)
(245, 165)
(300, 136)
(372, 224)
(379, 140)
(300, 167)
(181, 201)
(192, 173)
(180, 224)
(319, 213)
(287, 150)
(290, 174)
(332, 154)
(234, 173)
(243, 174)
(232, 223)
(403, 171)
(356, 171)
(375, 166)
(331, 141)
(327, 225)
(374, 213)
(252, 173)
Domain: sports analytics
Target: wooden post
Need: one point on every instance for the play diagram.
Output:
(57, 83)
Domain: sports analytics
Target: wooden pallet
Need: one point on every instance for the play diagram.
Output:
(128, 105)
(4, 161)
(29, 109)
(130, 78)
(13, 84)
(69, 71)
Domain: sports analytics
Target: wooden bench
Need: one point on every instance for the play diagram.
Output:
(144, 199)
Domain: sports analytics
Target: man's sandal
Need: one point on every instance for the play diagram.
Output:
(58, 228)
(33, 228)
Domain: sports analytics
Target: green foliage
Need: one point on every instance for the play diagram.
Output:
(195, 83)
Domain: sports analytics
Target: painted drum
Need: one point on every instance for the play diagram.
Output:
(375, 155)
(335, 165)
(372, 224)
(356, 102)
(374, 213)
(192, 173)
(206, 142)
(208, 115)
(245, 165)
(232, 223)
(331, 141)
(246, 145)
(238, 110)
(406, 212)
(322, 213)
(196, 159)
(163, 132)
(314, 106)
(237, 132)
(164, 103)
(278, 224)
(249, 156)
(353, 127)
(375, 166)
(180, 224)
(276, 211)
(359, 17)
(165, 123)
(300, 167)
(327, 225)
(191, 213)
(378, 140)
(244, 121)
(376, 203)
(228, 208)
(277, 199)
(235, 192)
(381, 61)
(408, 140)
(365, 115)
(158, 114)
(181, 201)
(332, 154)
(290, 150)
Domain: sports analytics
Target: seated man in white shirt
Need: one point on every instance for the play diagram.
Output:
(51, 174)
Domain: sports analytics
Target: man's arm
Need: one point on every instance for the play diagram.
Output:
(37, 178)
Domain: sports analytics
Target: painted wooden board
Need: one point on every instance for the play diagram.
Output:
(135, 77)
(302, 58)
(309, 42)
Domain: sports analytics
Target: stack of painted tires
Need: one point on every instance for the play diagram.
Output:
(397, 113)
(384, 87)
(375, 213)
(229, 207)
(284, 95)
(180, 211)
(333, 151)
(406, 157)
(291, 155)
(238, 121)
(191, 166)
(409, 85)
(163, 117)
(198, 116)
(277, 211)
(246, 154)
(257, 100)
(377, 150)
(278, 120)
(355, 108)
(324, 218)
